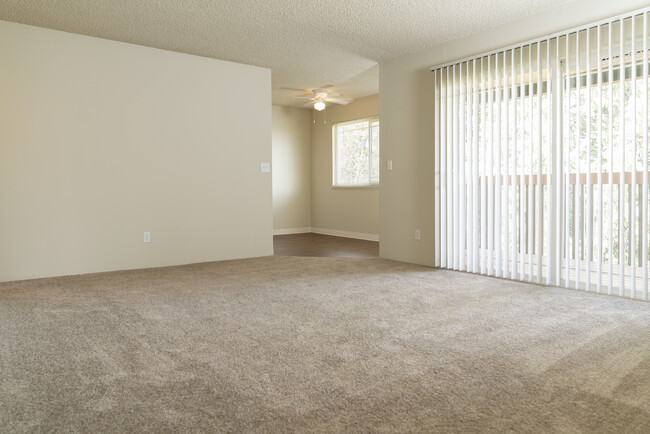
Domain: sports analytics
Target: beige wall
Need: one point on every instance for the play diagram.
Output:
(101, 141)
(354, 211)
(291, 169)
(406, 115)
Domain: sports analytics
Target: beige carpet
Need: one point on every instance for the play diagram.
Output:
(288, 344)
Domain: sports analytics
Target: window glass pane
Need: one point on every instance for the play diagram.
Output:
(357, 153)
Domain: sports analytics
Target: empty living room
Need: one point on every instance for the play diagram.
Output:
(337, 216)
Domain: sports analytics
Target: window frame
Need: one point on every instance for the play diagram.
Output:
(335, 146)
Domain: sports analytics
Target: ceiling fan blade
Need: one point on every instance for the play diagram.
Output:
(303, 97)
(334, 94)
(309, 104)
(296, 89)
(338, 101)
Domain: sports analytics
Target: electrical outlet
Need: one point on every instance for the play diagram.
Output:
(147, 237)
(417, 234)
(265, 167)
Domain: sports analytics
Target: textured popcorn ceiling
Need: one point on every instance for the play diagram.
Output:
(306, 44)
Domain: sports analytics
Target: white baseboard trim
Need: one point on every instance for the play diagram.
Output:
(323, 231)
(346, 234)
(290, 231)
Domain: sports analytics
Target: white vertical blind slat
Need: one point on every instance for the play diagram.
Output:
(461, 217)
(610, 76)
(467, 149)
(522, 172)
(530, 188)
(550, 172)
(490, 171)
(644, 199)
(514, 220)
(455, 247)
(577, 245)
(539, 195)
(483, 256)
(567, 169)
(450, 202)
(442, 144)
(436, 158)
(600, 210)
(632, 195)
(506, 160)
(475, 172)
(621, 192)
(557, 199)
(506, 168)
(589, 217)
(498, 183)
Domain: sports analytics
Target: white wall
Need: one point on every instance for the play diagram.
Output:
(341, 211)
(406, 104)
(291, 170)
(101, 140)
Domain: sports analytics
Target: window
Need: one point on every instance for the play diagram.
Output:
(356, 153)
(542, 160)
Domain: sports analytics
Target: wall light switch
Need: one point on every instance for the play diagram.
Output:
(417, 234)
(389, 165)
(265, 167)
(147, 237)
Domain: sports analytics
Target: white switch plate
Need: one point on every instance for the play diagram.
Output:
(417, 234)
(265, 167)
(147, 237)
(389, 165)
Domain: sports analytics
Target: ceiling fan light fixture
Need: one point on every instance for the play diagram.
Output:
(319, 105)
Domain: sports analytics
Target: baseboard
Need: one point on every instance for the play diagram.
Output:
(346, 234)
(323, 231)
(290, 231)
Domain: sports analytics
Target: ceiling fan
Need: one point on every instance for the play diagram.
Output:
(318, 98)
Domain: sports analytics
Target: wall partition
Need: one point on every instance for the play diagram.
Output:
(542, 157)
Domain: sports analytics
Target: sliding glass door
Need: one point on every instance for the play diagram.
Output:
(542, 160)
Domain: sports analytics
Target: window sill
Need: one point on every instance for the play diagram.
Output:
(356, 187)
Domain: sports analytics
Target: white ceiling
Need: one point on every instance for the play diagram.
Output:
(306, 44)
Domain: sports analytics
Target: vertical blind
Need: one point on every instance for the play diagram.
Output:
(542, 157)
